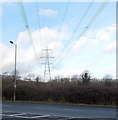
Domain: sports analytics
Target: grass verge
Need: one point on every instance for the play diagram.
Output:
(62, 103)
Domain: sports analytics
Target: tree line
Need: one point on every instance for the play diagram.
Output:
(80, 90)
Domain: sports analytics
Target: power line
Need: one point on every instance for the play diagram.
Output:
(63, 18)
(25, 20)
(64, 15)
(78, 25)
(38, 21)
(39, 26)
(103, 5)
(81, 20)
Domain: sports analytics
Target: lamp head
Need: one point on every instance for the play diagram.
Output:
(11, 42)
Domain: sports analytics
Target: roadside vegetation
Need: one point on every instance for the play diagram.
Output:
(76, 90)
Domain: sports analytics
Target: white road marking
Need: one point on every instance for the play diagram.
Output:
(19, 115)
(30, 116)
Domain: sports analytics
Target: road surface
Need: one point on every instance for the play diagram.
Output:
(59, 110)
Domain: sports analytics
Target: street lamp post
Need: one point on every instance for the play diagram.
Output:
(15, 69)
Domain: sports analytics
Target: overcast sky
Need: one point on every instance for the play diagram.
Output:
(82, 36)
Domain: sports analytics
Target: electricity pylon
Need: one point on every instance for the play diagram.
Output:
(46, 56)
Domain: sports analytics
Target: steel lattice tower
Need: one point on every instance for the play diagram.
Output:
(47, 62)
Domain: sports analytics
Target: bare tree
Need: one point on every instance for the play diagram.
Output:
(75, 78)
(86, 77)
(38, 79)
(18, 77)
(107, 79)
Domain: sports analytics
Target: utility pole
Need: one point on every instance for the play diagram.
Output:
(46, 56)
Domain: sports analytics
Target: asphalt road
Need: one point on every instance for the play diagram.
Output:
(60, 110)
